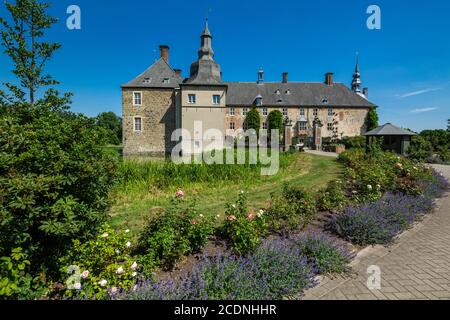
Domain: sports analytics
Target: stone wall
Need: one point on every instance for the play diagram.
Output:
(158, 113)
(350, 121)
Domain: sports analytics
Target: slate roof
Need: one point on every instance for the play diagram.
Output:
(205, 72)
(294, 94)
(389, 130)
(155, 76)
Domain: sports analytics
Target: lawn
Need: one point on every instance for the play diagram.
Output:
(135, 201)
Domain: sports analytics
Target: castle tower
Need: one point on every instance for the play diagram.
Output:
(356, 82)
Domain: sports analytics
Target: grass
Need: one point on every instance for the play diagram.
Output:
(135, 199)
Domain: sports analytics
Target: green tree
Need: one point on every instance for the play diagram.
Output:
(253, 120)
(372, 119)
(21, 40)
(275, 121)
(113, 124)
(54, 172)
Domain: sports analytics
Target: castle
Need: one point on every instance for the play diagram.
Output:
(159, 101)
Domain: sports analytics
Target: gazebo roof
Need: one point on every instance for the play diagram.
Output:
(389, 130)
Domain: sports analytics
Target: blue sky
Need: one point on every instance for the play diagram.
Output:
(406, 64)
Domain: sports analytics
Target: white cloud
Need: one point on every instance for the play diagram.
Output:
(419, 92)
(422, 110)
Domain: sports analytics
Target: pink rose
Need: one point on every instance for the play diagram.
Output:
(180, 194)
(231, 218)
(251, 216)
(193, 222)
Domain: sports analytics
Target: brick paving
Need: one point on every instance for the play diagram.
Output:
(416, 267)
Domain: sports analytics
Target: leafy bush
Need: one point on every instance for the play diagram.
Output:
(432, 146)
(326, 254)
(178, 231)
(54, 180)
(98, 267)
(291, 211)
(243, 229)
(379, 222)
(15, 281)
(333, 197)
(358, 142)
(277, 269)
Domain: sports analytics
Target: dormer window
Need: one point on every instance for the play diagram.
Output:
(279, 100)
(277, 92)
(258, 100)
(166, 80)
(325, 100)
(147, 80)
(288, 92)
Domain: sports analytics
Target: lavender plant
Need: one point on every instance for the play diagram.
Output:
(379, 222)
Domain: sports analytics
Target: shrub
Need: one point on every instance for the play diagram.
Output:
(15, 280)
(98, 267)
(54, 181)
(358, 142)
(178, 231)
(243, 229)
(326, 254)
(293, 210)
(333, 197)
(379, 222)
(276, 270)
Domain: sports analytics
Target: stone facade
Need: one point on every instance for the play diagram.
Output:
(158, 112)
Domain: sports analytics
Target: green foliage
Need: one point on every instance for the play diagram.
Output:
(291, 211)
(113, 124)
(372, 119)
(15, 280)
(358, 142)
(275, 121)
(54, 180)
(21, 40)
(253, 120)
(431, 146)
(333, 197)
(178, 231)
(98, 267)
(243, 228)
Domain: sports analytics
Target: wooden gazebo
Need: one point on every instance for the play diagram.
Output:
(395, 139)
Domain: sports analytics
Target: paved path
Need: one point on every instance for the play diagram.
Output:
(416, 267)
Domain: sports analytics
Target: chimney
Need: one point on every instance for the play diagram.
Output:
(164, 53)
(285, 77)
(329, 79)
(178, 72)
(366, 92)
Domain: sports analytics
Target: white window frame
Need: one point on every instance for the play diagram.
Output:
(216, 103)
(244, 111)
(134, 98)
(330, 126)
(285, 112)
(265, 111)
(232, 112)
(232, 125)
(302, 112)
(194, 96)
(303, 126)
(134, 124)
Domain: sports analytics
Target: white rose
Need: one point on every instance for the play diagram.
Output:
(134, 274)
(127, 231)
(105, 235)
(128, 244)
(119, 270)
(85, 274)
(77, 286)
(134, 266)
(103, 283)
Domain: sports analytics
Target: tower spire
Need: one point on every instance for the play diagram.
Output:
(356, 82)
(206, 52)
